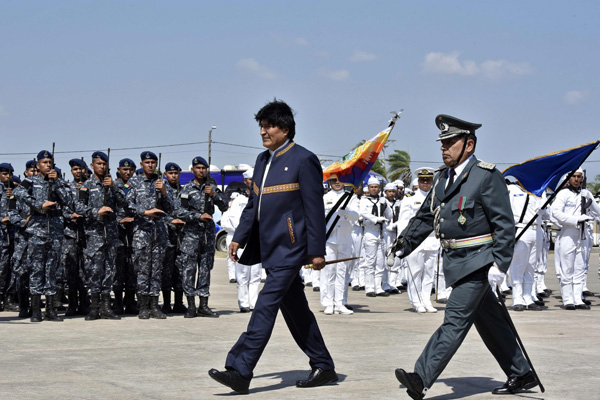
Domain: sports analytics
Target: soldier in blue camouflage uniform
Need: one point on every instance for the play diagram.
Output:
(125, 277)
(19, 213)
(72, 249)
(5, 242)
(149, 201)
(45, 228)
(171, 280)
(195, 206)
(97, 201)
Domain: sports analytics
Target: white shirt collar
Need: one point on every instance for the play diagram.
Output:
(460, 167)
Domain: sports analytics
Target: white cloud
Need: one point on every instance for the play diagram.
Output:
(339, 75)
(253, 66)
(451, 64)
(574, 97)
(362, 56)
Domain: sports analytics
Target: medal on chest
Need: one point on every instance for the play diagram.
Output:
(461, 206)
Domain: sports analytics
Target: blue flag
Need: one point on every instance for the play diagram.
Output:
(537, 174)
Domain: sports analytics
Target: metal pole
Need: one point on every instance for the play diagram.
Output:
(210, 145)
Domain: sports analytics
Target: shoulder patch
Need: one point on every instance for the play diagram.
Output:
(440, 168)
(409, 194)
(486, 165)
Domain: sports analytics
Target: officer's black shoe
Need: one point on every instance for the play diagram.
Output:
(72, 307)
(348, 307)
(585, 301)
(371, 294)
(232, 281)
(130, 305)
(542, 295)
(383, 294)
(412, 382)
(588, 293)
(355, 288)
(308, 284)
(232, 379)
(361, 287)
(393, 291)
(84, 305)
(191, 308)
(105, 311)
(50, 310)
(548, 291)
(118, 306)
(204, 311)
(166, 307)
(517, 383)
(519, 307)
(24, 311)
(316, 289)
(155, 311)
(36, 309)
(402, 286)
(318, 377)
(570, 307)
(178, 307)
(535, 307)
(94, 313)
(244, 309)
(583, 307)
(539, 302)
(144, 304)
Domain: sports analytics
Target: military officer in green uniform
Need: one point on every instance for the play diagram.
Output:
(469, 210)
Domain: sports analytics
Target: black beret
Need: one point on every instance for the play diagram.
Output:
(101, 155)
(171, 166)
(30, 164)
(6, 167)
(199, 160)
(76, 162)
(44, 154)
(148, 155)
(126, 162)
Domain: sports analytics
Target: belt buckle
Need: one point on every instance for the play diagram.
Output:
(449, 244)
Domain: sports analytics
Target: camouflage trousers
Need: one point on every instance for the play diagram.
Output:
(44, 258)
(148, 256)
(125, 276)
(100, 268)
(72, 263)
(20, 262)
(195, 263)
(5, 268)
(171, 279)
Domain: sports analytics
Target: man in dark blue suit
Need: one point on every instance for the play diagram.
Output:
(282, 226)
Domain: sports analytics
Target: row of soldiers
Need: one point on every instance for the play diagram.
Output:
(136, 236)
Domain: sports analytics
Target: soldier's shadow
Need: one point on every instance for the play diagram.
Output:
(465, 387)
(285, 379)
(14, 320)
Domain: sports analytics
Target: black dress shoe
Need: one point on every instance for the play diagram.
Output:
(585, 301)
(393, 291)
(539, 302)
(318, 377)
(244, 309)
(371, 294)
(542, 295)
(412, 382)
(232, 281)
(548, 291)
(361, 287)
(517, 383)
(535, 307)
(316, 289)
(348, 307)
(570, 307)
(232, 379)
(588, 293)
(582, 307)
(519, 307)
(383, 294)
(355, 288)
(507, 291)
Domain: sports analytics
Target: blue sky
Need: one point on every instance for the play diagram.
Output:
(92, 75)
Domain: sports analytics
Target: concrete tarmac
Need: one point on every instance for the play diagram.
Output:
(169, 359)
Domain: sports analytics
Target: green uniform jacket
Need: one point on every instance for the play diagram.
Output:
(486, 207)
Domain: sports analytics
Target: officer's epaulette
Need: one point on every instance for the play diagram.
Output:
(486, 165)
(26, 183)
(440, 168)
(409, 194)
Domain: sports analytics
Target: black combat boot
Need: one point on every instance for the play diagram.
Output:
(105, 310)
(94, 313)
(84, 305)
(130, 305)
(144, 306)
(118, 308)
(2, 299)
(24, 305)
(36, 310)
(191, 308)
(72, 308)
(11, 303)
(154, 309)
(58, 300)
(178, 306)
(204, 311)
(50, 310)
(166, 307)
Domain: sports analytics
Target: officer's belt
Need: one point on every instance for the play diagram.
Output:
(466, 242)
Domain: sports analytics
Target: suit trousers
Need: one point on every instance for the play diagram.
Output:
(283, 290)
(471, 302)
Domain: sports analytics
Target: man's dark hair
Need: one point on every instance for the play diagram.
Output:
(279, 114)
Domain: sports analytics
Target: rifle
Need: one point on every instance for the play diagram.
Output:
(584, 206)
(106, 190)
(159, 176)
(50, 188)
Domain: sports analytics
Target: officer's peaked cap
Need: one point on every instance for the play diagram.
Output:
(452, 126)
(424, 172)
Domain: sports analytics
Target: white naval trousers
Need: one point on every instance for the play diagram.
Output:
(542, 247)
(374, 262)
(230, 262)
(421, 269)
(334, 276)
(248, 282)
(522, 268)
(571, 256)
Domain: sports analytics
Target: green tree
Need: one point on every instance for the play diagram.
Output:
(398, 164)
(594, 187)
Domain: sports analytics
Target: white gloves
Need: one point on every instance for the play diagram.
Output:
(495, 276)
(543, 213)
(343, 214)
(584, 218)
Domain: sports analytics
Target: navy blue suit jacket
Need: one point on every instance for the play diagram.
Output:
(292, 214)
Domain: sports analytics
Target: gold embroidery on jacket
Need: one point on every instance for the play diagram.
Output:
(255, 188)
(282, 152)
(291, 230)
(286, 187)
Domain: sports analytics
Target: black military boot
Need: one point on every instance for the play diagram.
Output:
(24, 305)
(155, 311)
(36, 309)
(94, 313)
(166, 307)
(50, 310)
(72, 308)
(204, 311)
(130, 305)
(144, 306)
(191, 308)
(58, 300)
(178, 306)
(105, 310)
(118, 308)
(84, 305)
(2, 299)
(11, 303)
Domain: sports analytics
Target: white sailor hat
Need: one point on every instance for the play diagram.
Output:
(415, 182)
(373, 181)
(248, 173)
(389, 186)
(399, 183)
